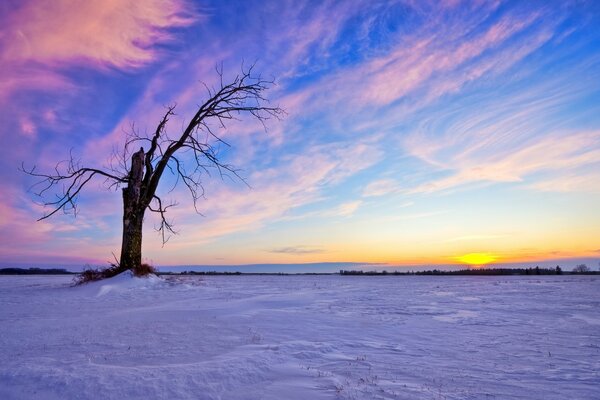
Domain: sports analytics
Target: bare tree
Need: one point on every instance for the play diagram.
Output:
(581, 269)
(188, 155)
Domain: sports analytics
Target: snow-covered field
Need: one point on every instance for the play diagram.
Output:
(301, 337)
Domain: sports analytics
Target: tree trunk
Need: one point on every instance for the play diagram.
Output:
(131, 248)
(133, 215)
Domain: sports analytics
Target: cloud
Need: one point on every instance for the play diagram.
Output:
(40, 39)
(380, 187)
(28, 128)
(583, 181)
(14, 78)
(347, 209)
(117, 33)
(435, 58)
(521, 133)
(470, 238)
(557, 153)
(297, 250)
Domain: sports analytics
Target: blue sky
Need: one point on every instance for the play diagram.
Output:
(416, 132)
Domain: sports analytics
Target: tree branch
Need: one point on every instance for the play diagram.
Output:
(242, 96)
(74, 179)
(165, 225)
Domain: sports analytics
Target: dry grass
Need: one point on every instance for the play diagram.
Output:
(95, 274)
(144, 270)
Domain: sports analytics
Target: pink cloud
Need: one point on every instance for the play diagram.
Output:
(439, 58)
(19, 77)
(570, 182)
(500, 62)
(347, 209)
(112, 32)
(381, 187)
(28, 128)
(562, 153)
(409, 67)
(37, 38)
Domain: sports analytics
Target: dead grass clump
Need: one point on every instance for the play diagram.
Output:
(144, 270)
(95, 274)
(90, 274)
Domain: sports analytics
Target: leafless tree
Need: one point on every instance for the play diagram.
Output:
(581, 269)
(187, 155)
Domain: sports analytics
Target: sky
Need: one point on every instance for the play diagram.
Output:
(416, 132)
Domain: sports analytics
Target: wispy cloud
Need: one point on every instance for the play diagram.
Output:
(582, 181)
(347, 209)
(513, 149)
(471, 238)
(435, 59)
(297, 250)
(40, 41)
(408, 68)
(110, 33)
(381, 187)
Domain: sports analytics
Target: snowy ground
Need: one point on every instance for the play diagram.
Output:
(301, 337)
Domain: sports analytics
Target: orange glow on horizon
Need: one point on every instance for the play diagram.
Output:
(477, 259)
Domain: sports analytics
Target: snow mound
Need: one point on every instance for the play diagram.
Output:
(123, 282)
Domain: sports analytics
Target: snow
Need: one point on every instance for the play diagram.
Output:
(122, 282)
(300, 337)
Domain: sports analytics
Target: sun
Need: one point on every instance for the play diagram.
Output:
(478, 259)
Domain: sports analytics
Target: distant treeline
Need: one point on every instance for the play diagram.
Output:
(200, 273)
(478, 271)
(240, 273)
(35, 271)
(474, 271)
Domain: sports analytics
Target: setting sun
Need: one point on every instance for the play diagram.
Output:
(477, 258)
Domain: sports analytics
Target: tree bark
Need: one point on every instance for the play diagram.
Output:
(133, 215)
